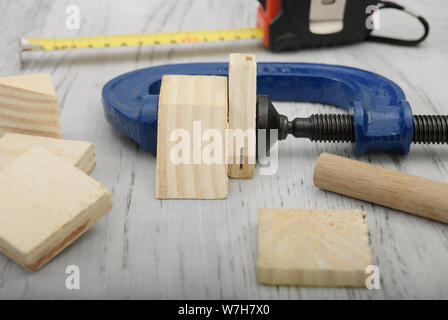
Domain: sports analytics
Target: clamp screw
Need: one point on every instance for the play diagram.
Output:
(339, 127)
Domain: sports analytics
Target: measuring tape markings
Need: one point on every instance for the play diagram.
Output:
(34, 44)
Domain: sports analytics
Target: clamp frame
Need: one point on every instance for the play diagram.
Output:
(383, 119)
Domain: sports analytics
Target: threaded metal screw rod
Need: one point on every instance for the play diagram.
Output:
(339, 128)
(430, 129)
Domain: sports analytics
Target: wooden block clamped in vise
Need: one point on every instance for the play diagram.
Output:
(77, 153)
(28, 105)
(224, 120)
(192, 119)
(45, 204)
(242, 115)
(390, 188)
(313, 247)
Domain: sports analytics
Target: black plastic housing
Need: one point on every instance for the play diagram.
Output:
(290, 29)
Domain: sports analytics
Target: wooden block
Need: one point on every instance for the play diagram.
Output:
(312, 247)
(242, 114)
(45, 204)
(28, 105)
(191, 105)
(78, 153)
(390, 188)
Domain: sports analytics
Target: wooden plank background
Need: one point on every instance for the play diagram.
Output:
(148, 248)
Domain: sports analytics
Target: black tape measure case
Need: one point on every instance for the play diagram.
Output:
(317, 23)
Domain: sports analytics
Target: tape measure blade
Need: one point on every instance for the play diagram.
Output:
(48, 44)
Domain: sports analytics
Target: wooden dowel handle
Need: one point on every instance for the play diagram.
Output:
(390, 188)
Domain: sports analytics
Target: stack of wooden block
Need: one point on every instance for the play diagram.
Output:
(47, 199)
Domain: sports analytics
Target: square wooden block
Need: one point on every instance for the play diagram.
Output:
(190, 108)
(313, 247)
(45, 204)
(78, 153)
(28, 105)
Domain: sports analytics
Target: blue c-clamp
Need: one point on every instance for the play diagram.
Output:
(381, 117)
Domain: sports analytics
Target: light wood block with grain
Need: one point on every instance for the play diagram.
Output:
(77, 153)
(242, 114)
(191, 105)
(386, 187)
(313, 247)
(28, 105)
(46, 204)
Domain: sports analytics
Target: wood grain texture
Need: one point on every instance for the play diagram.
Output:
(46, 204)
(28, 105)
(390, 188)
(242, 115)
(187, 249)
(77, 153)
(189, 107)
(313, 247)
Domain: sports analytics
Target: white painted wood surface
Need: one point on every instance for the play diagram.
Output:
(148, 248)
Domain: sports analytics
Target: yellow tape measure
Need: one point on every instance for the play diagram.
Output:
(36, 44)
